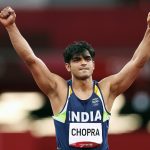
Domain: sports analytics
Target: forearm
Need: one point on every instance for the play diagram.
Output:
(142, 54)
(19, 43)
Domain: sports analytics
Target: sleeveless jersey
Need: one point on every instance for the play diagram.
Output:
(82, 124)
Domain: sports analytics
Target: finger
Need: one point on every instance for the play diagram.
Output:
(148, 20)
(9, 9)
(148, 17)
(6, 12)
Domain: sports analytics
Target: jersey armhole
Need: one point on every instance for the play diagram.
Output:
(102, 98)
(61, 116)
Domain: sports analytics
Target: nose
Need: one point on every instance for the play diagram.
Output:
(83, 62)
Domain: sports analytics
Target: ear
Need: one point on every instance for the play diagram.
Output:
(93, 65)
(67, 65)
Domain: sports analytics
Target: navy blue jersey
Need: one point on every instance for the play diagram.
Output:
(82, 124)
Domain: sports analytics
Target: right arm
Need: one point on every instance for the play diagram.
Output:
(43, 77)
(51, 84)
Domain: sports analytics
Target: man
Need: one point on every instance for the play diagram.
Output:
(81, 106)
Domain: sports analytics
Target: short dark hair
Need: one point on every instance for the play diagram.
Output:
(77, 48)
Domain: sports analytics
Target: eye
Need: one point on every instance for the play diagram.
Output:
(88, 58)
(76, 59)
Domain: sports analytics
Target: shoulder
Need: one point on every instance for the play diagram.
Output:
(105, 82)
(60, 84)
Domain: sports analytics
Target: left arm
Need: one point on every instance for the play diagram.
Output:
(118, 83)
(122, 80)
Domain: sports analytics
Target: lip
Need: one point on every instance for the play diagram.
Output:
(83, 68)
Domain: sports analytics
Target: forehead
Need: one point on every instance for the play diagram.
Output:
(83, 54)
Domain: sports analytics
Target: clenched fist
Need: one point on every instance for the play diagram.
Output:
(148, 20)
(7, 16)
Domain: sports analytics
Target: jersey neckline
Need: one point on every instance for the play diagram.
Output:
(83, 100)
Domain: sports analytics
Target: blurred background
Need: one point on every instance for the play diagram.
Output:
(113, 27)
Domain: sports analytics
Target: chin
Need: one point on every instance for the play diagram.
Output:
(84, 77)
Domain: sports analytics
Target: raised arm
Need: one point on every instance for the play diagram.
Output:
(118, 83)
(46, 80)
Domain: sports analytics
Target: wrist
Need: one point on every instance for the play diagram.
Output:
(10, 27)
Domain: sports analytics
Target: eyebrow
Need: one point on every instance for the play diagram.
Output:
(78, 56)
(84, 56)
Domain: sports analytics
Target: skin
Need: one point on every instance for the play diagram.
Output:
(81, 68)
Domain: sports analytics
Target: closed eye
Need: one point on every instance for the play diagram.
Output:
(88, 58)
(76, 59)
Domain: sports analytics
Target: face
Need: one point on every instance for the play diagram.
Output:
(81, 66)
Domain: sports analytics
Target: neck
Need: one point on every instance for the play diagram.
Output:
(86, 84)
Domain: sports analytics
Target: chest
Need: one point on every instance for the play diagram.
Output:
(83, 95)
(90, 110)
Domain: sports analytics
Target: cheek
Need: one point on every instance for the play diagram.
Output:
(73, 68)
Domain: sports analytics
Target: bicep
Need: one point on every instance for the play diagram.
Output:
(123, 79)
(45, 79)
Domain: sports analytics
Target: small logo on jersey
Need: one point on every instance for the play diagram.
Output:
(95, 101)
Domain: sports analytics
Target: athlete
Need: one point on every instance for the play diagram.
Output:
(81, 106)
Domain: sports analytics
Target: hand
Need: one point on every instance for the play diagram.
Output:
(7, 16)
(148, 20)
